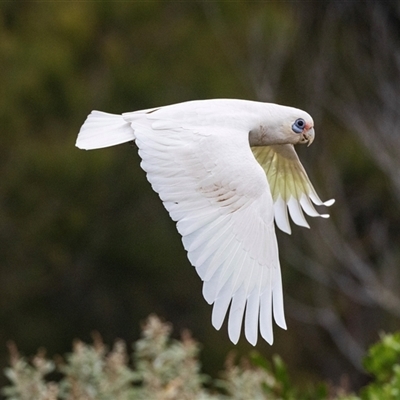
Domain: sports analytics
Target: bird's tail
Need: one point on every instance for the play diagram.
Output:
(103, 130)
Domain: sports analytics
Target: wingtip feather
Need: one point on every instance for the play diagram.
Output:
(281, 216)
(330, 202)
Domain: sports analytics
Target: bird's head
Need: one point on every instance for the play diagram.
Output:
(284, 125)
(303, 129)
(295, 126)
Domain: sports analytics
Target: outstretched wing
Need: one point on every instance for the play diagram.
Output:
(218, 194)
(290, 186)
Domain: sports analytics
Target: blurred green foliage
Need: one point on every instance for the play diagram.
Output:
(383, 362)
(165, 368)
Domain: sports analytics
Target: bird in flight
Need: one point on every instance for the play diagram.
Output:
(225, 170)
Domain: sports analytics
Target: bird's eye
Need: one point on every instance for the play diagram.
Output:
(299, 125)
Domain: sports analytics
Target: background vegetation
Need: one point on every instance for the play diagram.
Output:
(85, 243)
(162, 368)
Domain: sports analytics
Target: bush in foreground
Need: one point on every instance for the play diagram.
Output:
(164, 369)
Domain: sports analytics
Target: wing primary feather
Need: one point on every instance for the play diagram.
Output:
(316, 200)
(236, 314)
(226, 270)
(215, 260)
(294, 206)
(207, 232)
(252, 314)
(277, 297)
(266, 311)
(239, 271)
(308, 206)
(212, 287)
(328, 203)
(295, 212)
(217, 241)
(220, 307)
(281, 215)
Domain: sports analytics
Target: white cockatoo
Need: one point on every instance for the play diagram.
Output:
(225, 169)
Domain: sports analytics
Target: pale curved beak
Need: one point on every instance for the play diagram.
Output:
(309, 136)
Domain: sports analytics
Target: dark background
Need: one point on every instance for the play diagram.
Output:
(86, 245)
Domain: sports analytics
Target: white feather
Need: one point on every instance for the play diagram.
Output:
(221, 305)
(266, 311)
(281, 215)
(277, 296)
(226, 264)
(236, 314)
(103, 130)
(308, 206)
(295, 212)
(252, 316)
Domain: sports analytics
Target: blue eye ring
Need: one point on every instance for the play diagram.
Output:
(299, 125)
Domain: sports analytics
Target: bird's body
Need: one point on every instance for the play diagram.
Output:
(201, 158)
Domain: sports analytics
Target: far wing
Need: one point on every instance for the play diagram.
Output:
(218, 194)
(290, 186)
